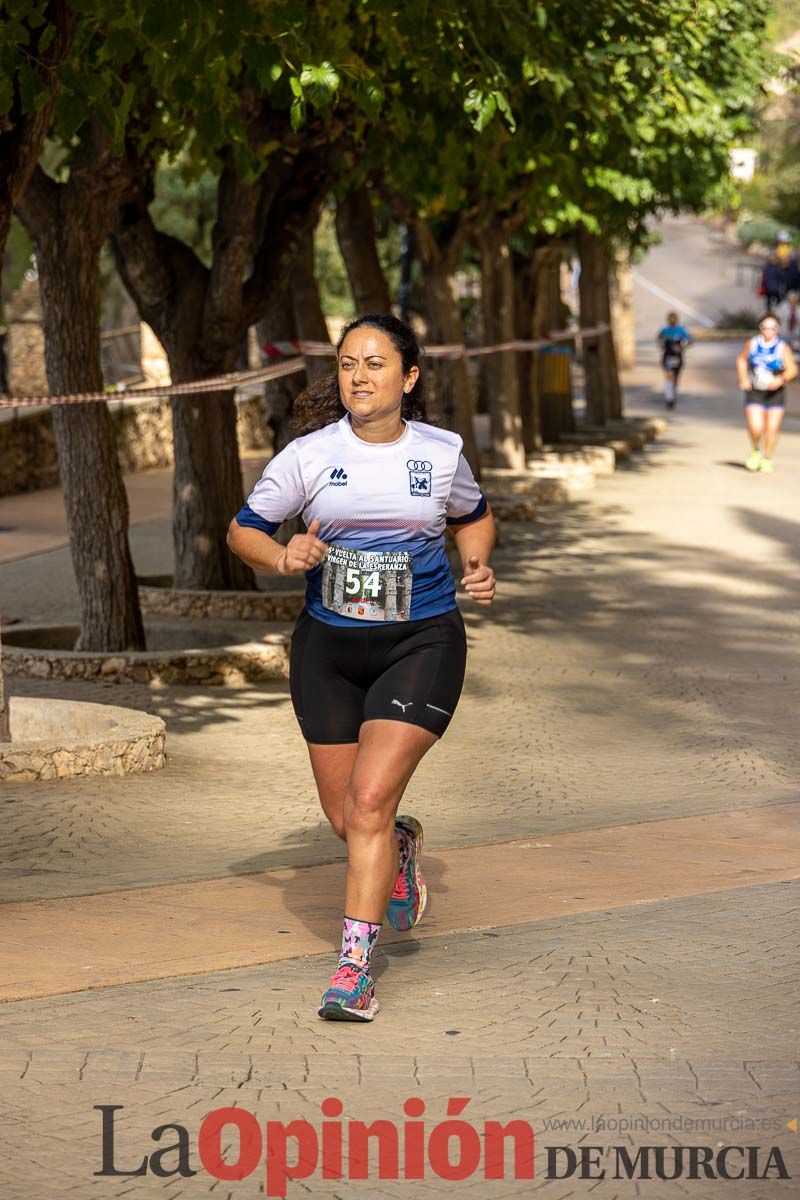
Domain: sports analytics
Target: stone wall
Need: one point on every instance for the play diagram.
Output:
(28, 457)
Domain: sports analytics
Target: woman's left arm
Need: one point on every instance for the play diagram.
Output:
(475, 543)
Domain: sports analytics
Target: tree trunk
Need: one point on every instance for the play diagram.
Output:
(207, 485)
(278, 325)
(68, 223)
(603, 393)
(201, 315)
(523, 329)
(5, 731)
(446, 326)
(497, 296)
(171, 289)
(355, 232)
(551, 370)
(22, 135)
(309, 318)
(622, 312)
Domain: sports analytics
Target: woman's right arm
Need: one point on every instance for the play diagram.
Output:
(263, 553)
(742, 369)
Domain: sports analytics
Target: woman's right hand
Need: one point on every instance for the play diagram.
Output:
(303, 552)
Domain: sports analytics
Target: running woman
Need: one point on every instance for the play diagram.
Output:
(674, 340)
(379, 652)
(765, 365)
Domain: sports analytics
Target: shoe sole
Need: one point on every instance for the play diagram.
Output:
(337, 1012)
(413, 825)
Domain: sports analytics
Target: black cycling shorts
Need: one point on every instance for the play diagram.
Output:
(410, 671)
(776, 399)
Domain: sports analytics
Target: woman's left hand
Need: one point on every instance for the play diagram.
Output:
(479, 580)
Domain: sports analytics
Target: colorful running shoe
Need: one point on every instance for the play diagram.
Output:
(410, 894)
(351, 996)
(766, 465)
(753, 460)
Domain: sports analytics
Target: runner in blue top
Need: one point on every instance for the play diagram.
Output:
(379, 652)
(674, 339)
(765, 364)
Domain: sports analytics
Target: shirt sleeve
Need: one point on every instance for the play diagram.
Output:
(278, 495)
(466, 501)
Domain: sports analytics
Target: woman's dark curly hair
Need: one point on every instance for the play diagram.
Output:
(320, 403)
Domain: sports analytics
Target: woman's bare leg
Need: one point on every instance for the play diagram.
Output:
(388, 755)
(332, 767)
(774, 420)
(754, 415)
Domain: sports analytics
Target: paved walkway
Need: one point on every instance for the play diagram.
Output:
(612, 823)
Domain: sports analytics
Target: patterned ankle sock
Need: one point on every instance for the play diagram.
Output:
(358, 942)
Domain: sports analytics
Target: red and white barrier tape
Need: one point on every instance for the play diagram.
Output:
(290, 352)
(220, 383)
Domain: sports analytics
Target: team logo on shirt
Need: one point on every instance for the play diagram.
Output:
(419, 476)
(338, 477)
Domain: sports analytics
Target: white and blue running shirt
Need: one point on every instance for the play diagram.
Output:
(385, 496)
(765, 360)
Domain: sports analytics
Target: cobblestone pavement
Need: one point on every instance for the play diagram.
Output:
(635, 666)
(672, 1012)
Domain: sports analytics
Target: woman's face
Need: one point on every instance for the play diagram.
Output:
(769, 329)
(371, 379)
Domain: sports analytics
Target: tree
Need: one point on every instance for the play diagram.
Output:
(35, 38)
(262, 125)
(33, 42)
(68, 222)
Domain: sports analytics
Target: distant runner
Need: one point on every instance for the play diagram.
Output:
(764, 366)
(781, 273)
(674, 340)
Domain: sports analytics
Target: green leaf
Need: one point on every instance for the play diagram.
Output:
(485, 113)
(297, 114)
(72, 113)
(505, 109)
(47, 38)
(119, 47)
(31, 89)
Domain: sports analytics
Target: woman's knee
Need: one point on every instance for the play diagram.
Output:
(367, 809)
(338, 826)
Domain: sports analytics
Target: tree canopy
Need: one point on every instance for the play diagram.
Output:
(473, 124)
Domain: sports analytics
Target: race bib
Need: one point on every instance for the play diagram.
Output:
(367, 586)
(762, 378)
(672, 361)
